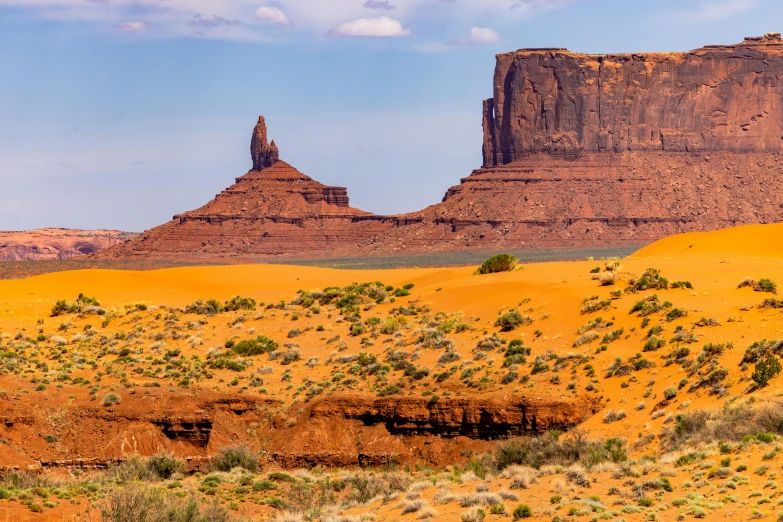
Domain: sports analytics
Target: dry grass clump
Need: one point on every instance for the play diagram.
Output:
(732, 423)
(613, 416)
(135, 503)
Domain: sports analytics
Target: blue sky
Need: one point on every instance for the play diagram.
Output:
(122, 113)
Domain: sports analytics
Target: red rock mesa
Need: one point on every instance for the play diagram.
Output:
(578, 149)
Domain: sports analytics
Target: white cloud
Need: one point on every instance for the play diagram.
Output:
(477, 36)
(382, 27)
(234, 19)
(131, 27)
(716, 10)
(272, 15)
(482, 35)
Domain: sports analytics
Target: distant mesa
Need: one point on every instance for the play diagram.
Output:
(56, 243)
(578, 150)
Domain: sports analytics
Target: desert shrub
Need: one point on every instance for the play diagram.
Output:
(83, 304)
(586, 339)
(766, 285)
(135, 503)
(111, 399)
(164, 465)
(209, 307)
(682, 284)
(613, 336)
(512, 320)
(650, 279)
(489, 343)
(732, 423)
(762, 285)
(649, 306)
(258, 346)
(760, 349)
(289, 356)
(669, 393)
(509, 378)
(765, 370)
(522, 511)
(675, 313)
(236, 456)
(358, 329)
(613, 416)
(498, 263)
(592, 306)
(552, 449)
(239, 303)
(654, 343)
(449, 357)
(473, 515)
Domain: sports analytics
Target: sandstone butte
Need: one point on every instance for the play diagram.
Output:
(56, 243)
(579, 150)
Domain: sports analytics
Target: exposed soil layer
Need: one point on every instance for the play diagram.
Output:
(347, 430)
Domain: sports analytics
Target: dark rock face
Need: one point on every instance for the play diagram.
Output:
(717, 98)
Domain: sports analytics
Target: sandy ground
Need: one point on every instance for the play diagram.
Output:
(551, 294)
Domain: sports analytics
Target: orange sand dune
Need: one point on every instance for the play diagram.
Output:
(765, 241)
(713, 311)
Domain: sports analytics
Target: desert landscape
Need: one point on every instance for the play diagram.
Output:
(586, 327)
(618, 388)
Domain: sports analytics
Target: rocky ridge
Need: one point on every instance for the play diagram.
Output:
(56, 243)
(578, 149)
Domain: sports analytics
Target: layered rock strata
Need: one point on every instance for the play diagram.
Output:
(56, 243)
(579, 150)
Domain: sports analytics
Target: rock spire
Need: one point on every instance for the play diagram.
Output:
(264, 154)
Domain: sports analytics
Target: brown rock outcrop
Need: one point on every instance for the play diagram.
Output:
(264, 154)
(359, 430)
(578, 150)
(717, 98)
(56, 243)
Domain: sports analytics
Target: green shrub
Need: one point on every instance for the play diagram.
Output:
(111, 399)
(498, 263)
(766, 285)
(670, 393)
(238, 456)
(239, 303)
(765, 370)
(522, 511)
(165, 466)
(512, 320)
(249, 347)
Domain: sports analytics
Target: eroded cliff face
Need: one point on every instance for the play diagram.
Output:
(56, 243)
(717, 98)
(579, 150)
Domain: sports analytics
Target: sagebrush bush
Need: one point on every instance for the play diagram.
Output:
(135, 503)
(498, 263)
(259, 345)
(111, 399)
(237, 456)
(512, 320)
